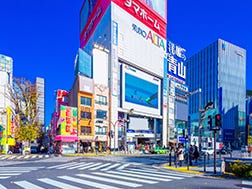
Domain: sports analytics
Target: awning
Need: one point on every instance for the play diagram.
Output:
(65, 138)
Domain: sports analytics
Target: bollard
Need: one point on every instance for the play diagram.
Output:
(204, 163)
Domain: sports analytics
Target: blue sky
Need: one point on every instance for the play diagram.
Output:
(42, 36)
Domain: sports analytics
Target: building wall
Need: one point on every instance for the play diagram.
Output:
(40, 87)
(117, 32)
(220, 71)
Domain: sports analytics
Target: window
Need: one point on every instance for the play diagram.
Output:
(86, 115)
(86, 101)
(101, 100)
(86, 130)
(100, 130)
(101, 114)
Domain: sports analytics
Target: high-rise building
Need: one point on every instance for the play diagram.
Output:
(40, 87)
(127, 42)
(219, 70)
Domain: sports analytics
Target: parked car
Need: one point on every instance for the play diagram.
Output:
(207, 150)
(224, 150)
(159, 150)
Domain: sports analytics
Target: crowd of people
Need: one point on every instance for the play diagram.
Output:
(186, 155)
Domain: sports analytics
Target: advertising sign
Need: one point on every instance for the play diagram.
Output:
(145, 14)
(140, 90)
(68, 120)
(176, 62)
(138, 43)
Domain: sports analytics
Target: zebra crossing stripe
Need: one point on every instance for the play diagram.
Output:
(139, 176)
(123, 166)
(10, 174)
(110, 180)
(89, 166)
(98, 167)
(66, 164)
(4, 177)
(153, 174)
(27, 185)
(248, 183)
(84, 165)
(88, 183)
(2, 187)
(110, 167)
(58, 184)
(126, 178)
(20, 168)
(162, 173)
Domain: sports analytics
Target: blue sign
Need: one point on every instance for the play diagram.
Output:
(182, 139)
(176, 61)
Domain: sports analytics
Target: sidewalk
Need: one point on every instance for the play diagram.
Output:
(198, 168)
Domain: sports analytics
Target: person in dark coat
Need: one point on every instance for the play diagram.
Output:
(195, 154)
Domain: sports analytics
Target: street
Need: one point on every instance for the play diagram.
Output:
(112, 172)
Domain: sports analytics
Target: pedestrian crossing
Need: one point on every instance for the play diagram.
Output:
(92, 166)
(7, 172)
(23, 157)
(246, 184)
(117, 179)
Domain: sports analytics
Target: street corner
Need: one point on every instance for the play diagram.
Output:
(191, 170)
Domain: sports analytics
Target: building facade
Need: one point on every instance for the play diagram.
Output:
(127, 43)
(6, 121)
(219, 70)
(40, 87)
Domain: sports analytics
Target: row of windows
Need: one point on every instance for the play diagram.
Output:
(100, 130)
(100, 114)
(98, 100)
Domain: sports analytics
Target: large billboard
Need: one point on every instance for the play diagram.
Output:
(138, 43)
(140, 90)
(68, 120)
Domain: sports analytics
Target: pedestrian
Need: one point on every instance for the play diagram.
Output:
(190, 154)
(180, 155)
(195, 154)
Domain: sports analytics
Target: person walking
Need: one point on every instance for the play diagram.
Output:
(180, 155)
(190, 154)
(196, 153)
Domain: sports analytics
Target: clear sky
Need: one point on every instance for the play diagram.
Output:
(42, 36)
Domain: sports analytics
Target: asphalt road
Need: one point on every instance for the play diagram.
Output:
(105, 172)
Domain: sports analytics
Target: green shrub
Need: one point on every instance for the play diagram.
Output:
(241, 169)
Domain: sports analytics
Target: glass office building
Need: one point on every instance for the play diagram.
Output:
(219, 70)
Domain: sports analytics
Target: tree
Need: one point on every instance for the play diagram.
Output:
(24, 97)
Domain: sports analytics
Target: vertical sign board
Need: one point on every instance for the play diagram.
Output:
(114, 57)
(176, 62)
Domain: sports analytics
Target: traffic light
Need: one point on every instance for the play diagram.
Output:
(209, 122)
(218, 120)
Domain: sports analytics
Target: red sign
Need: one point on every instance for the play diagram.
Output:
(144, 14)
(93, 21)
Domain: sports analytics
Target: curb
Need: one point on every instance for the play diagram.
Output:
(183, 169)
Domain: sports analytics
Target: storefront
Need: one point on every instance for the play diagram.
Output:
(65, 144)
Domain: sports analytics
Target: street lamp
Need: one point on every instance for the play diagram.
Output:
(123, 120)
